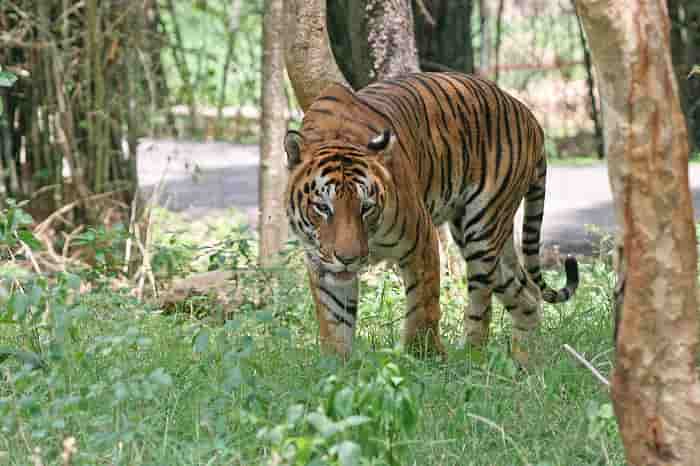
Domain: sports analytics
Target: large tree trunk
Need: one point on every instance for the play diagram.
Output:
(273, 224)
(655, 384)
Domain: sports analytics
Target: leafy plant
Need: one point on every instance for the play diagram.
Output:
(15, 232)
(366, 418)
(107, 248)
(7, 79)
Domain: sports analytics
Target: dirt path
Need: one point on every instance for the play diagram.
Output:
(210, 178)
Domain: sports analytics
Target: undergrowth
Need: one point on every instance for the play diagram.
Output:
(91, 375)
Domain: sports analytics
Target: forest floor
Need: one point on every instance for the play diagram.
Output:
(210, 178)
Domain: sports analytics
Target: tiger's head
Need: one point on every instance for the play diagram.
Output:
(336, 197)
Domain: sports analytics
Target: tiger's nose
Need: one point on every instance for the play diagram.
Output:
(346, 260)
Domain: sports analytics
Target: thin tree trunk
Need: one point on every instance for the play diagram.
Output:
(232, 29)
(655, 387)
(183, 68)
(594, 114)
(273, 224)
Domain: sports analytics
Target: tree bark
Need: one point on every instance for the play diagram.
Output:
(685, 50)
(373, 39)
(485, 50)
(445, 37)
(693, 50)
(655, 387)
(273, 224)
(391, 39)
(310, 63)
(594, 114)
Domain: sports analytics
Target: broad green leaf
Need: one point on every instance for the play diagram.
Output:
(7, 79)
(695, 71)
(161, 377)
(342, 402)
(294, 413)
(18, 305)
(353, 421)
(72, 281)
(30, 240)
(349, 453)
(29, 358)
(201, 342)
(322, 424)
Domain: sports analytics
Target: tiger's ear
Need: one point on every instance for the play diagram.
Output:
(383, 144)
(292, 146)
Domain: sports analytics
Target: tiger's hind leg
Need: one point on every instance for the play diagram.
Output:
(521, 297)
(481, 275)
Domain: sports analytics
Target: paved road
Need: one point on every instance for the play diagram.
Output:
(210, 178)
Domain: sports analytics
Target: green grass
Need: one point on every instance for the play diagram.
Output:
(136, 386)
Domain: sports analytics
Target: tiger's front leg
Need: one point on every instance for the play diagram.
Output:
(421, 277)
(336, 310)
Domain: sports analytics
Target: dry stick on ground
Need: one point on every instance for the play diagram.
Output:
(586, 364)
(129, 240)
(32, 259)
(41, 228)
(68, 239)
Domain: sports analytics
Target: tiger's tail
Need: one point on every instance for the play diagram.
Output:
(532, 226)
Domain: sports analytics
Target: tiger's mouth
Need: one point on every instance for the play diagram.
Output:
(342, 275)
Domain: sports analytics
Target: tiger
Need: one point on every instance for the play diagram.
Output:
(374, 172)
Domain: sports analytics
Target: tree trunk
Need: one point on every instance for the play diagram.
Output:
(485, 47)
(273, 224)
(594, 113)
(391, 40)
(444, 37)
(233, 24)
(693, 50)
(655, 384)
(310, 63)
(681, 50)
(373, 39)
